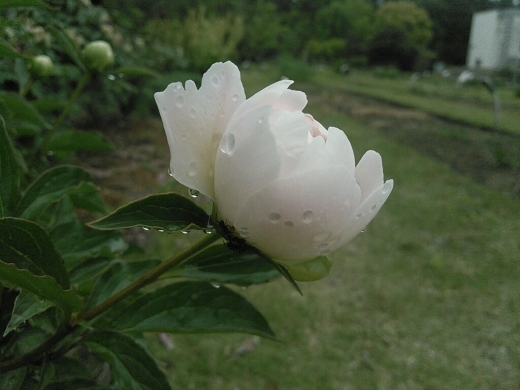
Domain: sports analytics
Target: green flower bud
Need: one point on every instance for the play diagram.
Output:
(41, 66)
(97, 55)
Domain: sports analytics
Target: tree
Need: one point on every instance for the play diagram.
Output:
(403, 31)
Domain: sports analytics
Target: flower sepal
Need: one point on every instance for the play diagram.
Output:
(311, 270)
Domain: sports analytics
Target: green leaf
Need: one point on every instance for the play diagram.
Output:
(131, 366)
(44, 286)
(9, 174)
(27, 305)
(68, 45)
(28, 246)
(135, 71)
(13, 380)
(23, 112)
(309, 271)
(24, 3)
(192, 307)
(74, 140)
(50, 187)
(118, 276)
(169, 212)
(219, 264)
(77, 243)
(86, 196)
(7, 51)
(71, 373)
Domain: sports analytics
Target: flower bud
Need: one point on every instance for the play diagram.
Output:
(97, 55)
(41, 66)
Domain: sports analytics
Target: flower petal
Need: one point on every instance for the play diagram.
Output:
(299, 217)
(369, 173)
(247, 159)
(195, 120)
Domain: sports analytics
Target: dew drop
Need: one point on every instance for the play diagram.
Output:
(193, 193)
(179, 101)
(289, 223)
(193, 112)
(274, 217)
(177, 87)
(111, 77)
(363, 231)
(170, 171)
(228, 143)
(307, 216)
(323, 248)
(244, 233)
(164, 108)
(145, 228)
(208, 231)
(374, 208)
(358, 216)
(215, 285)
(50, 153)
(235, 98)
(160, 231)
(321, 237)
(260, 120)
(185, 231)
(215, 81)
(193, 168)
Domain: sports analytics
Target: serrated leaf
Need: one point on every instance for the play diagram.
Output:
(187, 307)
(50, 187)
(75, 140)
(131, 366)
(135, 71)
(27, 305)
(9, 173)
(118, 276)
(68, 45)
(24, 3)
(28, 246)
(44, 286)
(7, 51)
(219, 264)
(169, 212)
(77, 243)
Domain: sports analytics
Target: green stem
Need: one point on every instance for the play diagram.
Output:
(150, 276)
(79, 88)
(26, 88)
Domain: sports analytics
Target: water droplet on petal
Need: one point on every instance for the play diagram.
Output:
(307, 216)
(193, 168)
(363, 231)
(322, 247)
(170, 171)
(164, 108)
(179, 101)
(235, 98)
(243, 231)
(227, 144)
(374, 208)
(289, 223)
(193, 193)
(358, 216)
(215, 81)
(193, 112)
(260, 120)
(177, 87)
(274, 217)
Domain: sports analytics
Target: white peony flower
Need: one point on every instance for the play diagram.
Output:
(287, 185)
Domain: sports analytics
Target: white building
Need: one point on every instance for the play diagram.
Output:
(494, 41)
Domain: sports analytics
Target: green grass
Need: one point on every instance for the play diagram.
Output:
(426, 298)
(470, 104)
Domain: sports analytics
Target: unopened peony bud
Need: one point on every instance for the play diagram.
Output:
(97, 55)
(41, 66)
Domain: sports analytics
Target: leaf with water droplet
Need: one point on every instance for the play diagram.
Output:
(169, 212)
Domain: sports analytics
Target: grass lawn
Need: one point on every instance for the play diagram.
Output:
(426, 298)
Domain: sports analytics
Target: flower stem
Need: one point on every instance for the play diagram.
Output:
(150, 276)
(79, 88)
